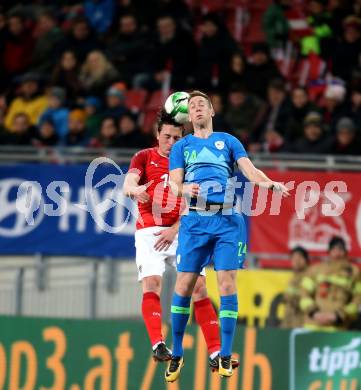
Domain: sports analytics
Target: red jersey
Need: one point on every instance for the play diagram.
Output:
(163, 207)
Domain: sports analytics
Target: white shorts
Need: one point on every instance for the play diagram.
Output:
(149, 261)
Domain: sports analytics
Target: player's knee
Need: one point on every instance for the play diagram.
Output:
(183, 288)
(227, 287)
(200, 290)
(152, 284)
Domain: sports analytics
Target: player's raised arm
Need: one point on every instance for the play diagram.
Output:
(258, 177)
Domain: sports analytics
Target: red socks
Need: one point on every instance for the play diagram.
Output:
(152, 315)
(207, 319)
(205, 316)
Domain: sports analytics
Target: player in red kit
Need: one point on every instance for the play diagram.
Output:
(156, 240)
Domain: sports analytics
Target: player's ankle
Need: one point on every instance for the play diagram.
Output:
(214, 354)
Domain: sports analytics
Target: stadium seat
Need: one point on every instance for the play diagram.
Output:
(135, 99)
(156, 100)
(148, 120)
(208, 6)
(253, 30)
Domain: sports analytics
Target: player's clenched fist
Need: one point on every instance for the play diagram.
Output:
(191, 189)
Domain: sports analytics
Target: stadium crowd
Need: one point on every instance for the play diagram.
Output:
(324, 295)
(90, 73)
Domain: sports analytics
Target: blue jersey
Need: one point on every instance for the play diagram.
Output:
(210, 163)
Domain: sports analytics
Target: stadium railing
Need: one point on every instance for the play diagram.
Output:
(16, 154)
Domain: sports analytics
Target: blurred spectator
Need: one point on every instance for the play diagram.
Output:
(331, 290)
(356, 8)
(219, 121)
(294, 316)
(81, 40)
(355, 107)
(17, 46)
(275, 24)
(319, 22)
(347, 141)
(242, 113)
(99, 13)
(47, 42)
(177, 9)
(96, 74)
(300, 107)
(22, 133)
(339, 10)
(66, 75)
(31, 100)
(77, 132)
(115, 102)
(170, 45)
(346, 52)
(314, 140)
(235, 73)
(46, 135)
(277, 110)
(94, 116)
(130, 134)
(129, 49)
(2, 26)
(108, 137)
(56, 112)
(214, 52)
(261, 70)
(334, 106)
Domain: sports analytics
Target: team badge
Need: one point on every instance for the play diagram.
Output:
(219, 145)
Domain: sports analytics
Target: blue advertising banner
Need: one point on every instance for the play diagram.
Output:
(45, 209)
(75, 210)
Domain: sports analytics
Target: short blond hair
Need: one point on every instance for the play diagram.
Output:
(200, 93)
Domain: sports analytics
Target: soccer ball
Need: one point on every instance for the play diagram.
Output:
(176, 106)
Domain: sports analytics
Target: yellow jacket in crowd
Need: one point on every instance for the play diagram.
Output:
(294, 316)
(331, 289)
(32, 107)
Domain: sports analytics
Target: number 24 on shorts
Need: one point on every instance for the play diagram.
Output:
(242, 248)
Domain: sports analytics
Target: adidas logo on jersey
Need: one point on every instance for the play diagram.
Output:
(153, 163)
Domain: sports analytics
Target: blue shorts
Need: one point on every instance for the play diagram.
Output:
(211, 237)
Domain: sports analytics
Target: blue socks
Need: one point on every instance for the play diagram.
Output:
(228, 318)
(180, 314)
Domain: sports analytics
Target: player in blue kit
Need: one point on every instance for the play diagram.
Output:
(202, 169)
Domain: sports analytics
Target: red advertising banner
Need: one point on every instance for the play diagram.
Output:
(321, 205)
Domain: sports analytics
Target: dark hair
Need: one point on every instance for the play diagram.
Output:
(337, 241)
(17, 15)
(302, 251)
(300, 88)
(48, 121)
(22, 114)
(277, 84)
(80, 20)
(238, 87)
(129, 15)
(49, 15)
(165, 119)
(199, 93)
(110, 118)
